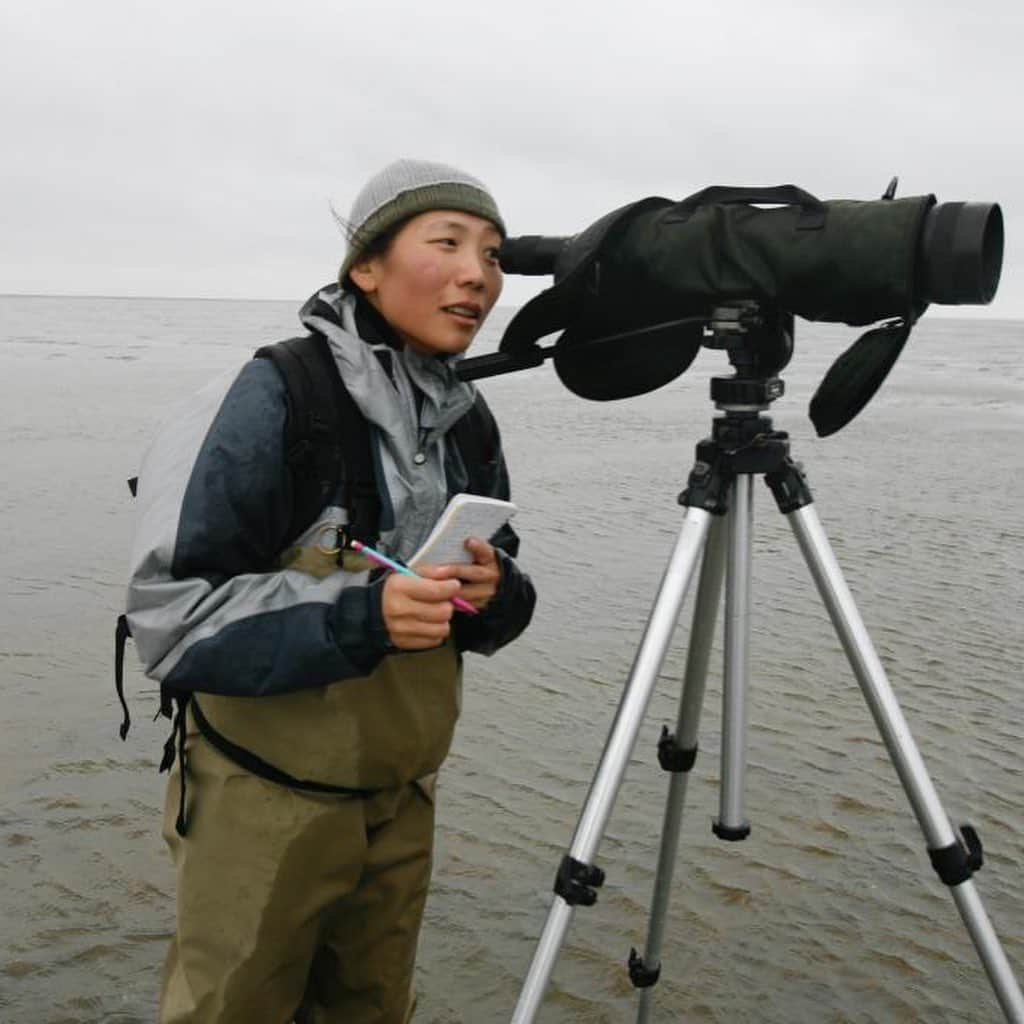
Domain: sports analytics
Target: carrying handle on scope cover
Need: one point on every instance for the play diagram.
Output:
(812, 209)
(857, 374)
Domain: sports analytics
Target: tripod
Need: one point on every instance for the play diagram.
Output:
(717, 532)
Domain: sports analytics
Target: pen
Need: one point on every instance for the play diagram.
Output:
(389, 563)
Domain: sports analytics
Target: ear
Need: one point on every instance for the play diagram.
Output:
(364, 275)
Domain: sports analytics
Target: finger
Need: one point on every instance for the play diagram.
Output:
(481, 551)
(401, 608)
(416, 641)
(426, 611)
(428, 620)
(472, 572)
(425, 628)
(419, 589)
(434, 632)
(436, 572)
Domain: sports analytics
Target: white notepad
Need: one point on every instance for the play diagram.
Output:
(465, 516)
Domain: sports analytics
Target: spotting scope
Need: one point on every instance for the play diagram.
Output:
(635, 291)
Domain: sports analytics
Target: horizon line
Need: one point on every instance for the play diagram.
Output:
(105, 295)
(300, 301)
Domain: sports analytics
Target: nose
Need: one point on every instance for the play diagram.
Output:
(472, 270)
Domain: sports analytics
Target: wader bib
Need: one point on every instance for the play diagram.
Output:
(271, 880)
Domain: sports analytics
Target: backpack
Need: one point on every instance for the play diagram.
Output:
(327, 442)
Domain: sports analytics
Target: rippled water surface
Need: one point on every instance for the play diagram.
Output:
(828, 912)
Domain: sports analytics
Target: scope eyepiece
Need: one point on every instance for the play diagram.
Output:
(533, 255)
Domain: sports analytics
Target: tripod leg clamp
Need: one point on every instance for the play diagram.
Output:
(789, 485)
(708, 484)
(576, 882)
(958, 861)
(640, 974)
(671, 756)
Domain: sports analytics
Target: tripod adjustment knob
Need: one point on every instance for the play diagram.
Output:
(576, 882)
(958, 861)
(671, 756)
(640, 974)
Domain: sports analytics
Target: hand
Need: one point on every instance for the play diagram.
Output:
(481, 579)
(417, 611)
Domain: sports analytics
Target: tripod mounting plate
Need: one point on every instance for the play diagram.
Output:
(758, 393)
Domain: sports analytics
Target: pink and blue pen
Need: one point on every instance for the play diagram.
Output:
(390, 563)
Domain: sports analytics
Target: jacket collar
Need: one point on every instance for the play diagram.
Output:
(372, 326)
(335, 313)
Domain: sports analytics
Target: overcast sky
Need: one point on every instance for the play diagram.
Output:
(189, 148)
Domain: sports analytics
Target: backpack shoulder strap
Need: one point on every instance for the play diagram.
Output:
(476, 435)
(327, 438)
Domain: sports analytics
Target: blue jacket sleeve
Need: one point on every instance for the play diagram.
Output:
(208, 609)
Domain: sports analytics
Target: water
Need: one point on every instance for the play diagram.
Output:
(829, 912)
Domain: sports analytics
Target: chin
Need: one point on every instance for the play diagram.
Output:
(445, 346)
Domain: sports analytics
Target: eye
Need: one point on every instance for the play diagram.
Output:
(448, 243)
(492, 255)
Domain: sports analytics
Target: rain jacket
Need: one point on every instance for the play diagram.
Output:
(287, 651)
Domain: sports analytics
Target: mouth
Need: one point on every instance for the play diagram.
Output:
(465, 312)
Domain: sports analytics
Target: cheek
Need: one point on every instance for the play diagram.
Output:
(426, 275)
(414, 291)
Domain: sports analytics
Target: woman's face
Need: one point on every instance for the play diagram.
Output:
(437, 281)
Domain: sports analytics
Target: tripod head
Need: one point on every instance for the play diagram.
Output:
(758, 345)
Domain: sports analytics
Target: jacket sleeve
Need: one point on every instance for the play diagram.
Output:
(509, 612)
(208, 609)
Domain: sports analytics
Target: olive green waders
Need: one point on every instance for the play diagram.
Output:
(304, 905)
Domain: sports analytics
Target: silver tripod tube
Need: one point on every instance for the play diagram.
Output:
(906, 758)
(702, 631)
(617, 751)
(731, 823)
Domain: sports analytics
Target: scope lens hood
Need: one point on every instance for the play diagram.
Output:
(961, 253)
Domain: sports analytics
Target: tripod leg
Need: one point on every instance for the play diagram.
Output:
(577, 875)
(680, 758)
(951, 859)
(731, 824)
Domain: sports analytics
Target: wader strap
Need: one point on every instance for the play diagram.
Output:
(179, 727)
(121, 634)
(178, 733)
(250, 762)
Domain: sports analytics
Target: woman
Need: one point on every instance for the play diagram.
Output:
(305, 900)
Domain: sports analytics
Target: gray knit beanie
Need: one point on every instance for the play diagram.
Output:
(406, 188)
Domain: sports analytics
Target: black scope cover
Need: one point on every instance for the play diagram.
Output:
(856, 265)
(631, 290)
